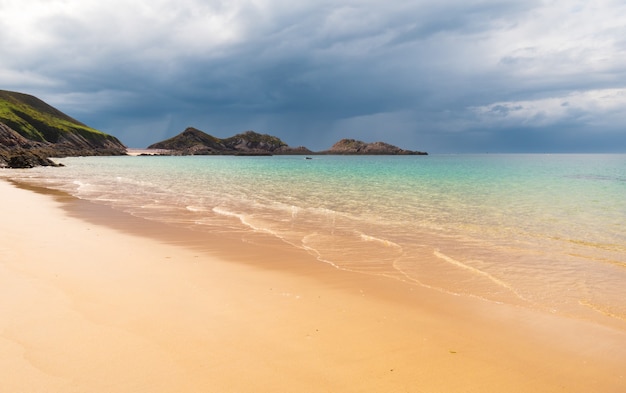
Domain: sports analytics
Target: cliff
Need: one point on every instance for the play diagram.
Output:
(31, 131)
(19, 152)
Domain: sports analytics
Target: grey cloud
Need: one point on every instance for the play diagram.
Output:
(409, 72)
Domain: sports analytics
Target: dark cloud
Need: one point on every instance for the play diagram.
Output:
(456, 76)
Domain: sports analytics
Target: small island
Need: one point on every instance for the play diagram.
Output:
(195, 142)
(354, 147)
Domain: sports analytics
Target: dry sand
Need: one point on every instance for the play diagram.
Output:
(134, 306)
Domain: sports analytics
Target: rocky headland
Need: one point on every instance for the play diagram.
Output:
(31, 131)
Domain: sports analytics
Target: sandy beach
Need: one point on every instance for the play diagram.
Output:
(94, 300)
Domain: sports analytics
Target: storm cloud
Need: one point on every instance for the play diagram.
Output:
(453, 76)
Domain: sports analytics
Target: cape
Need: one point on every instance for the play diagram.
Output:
(31, 131)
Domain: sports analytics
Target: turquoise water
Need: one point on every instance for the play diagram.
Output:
(543, 231)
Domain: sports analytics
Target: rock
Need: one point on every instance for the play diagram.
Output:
(190, 142)
(28, 159)
(354, 147)
(195, 142)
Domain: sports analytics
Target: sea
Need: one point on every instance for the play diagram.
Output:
(542, 231)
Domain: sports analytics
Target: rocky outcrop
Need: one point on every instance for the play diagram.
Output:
(195, 142)
(251, 141)
(354, 147)
(19, 152)
(31, 131)
(190, 142)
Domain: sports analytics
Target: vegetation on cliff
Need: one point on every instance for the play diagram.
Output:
(46, 132)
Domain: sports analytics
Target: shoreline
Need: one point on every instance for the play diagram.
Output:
(104, 301)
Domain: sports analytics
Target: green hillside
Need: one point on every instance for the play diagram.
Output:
(32, 131)
(34, 119)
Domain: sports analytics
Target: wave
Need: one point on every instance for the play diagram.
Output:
(228, 213)
(598, 245)
(317, 254)
(604, 310)
(80, 186)
(295, 210)
(476, 271)
(195, 209)
(384, 242)
(245, 221)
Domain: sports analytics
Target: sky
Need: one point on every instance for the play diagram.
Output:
(443, 76)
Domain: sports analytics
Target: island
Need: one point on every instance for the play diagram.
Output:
(195, 142)
(353, 147)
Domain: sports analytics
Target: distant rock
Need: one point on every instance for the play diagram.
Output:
(252, 142)
(195, 142)
(356, 147)
(190, 142)
(31, 131)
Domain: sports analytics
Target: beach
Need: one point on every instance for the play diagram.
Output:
(96, 300)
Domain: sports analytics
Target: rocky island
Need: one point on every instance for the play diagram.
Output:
(195, 142)
(354, 147)
(31, 131)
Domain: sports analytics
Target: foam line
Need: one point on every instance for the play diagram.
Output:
(479, 272)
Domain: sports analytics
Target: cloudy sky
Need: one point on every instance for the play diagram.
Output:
(437, 75)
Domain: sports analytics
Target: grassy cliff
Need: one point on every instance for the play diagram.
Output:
(36, 120)
(51, 132)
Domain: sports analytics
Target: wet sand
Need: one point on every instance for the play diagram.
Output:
(96, 300)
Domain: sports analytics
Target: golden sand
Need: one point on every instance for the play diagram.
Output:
(93, 300)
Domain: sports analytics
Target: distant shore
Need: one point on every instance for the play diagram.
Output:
(140, 152)
(96, 300)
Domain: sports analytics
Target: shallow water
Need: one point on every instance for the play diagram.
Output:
(542, 231)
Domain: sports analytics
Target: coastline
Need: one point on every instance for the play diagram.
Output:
(96, 300)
